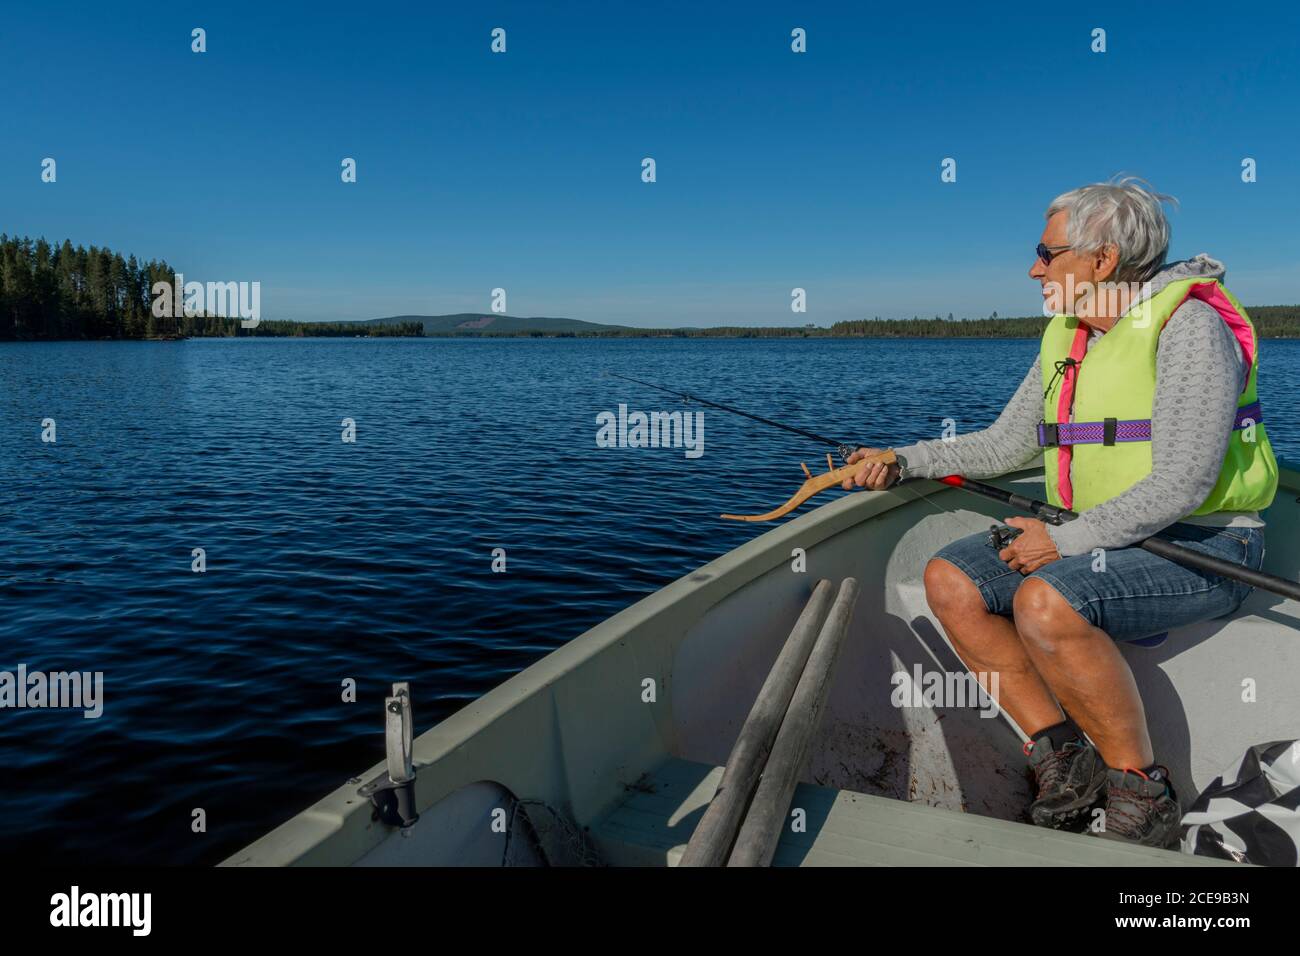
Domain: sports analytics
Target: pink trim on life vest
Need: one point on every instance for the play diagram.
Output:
(1211, 293)
(1064, 412)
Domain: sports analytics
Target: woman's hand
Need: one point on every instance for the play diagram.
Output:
(874, 475)
(1031, 550)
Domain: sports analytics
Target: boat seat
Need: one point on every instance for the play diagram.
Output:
(653, 824)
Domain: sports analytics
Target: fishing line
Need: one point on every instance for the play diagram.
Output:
(844, 449)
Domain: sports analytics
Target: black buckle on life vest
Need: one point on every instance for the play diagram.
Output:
(1048, 435)
(1108, 429)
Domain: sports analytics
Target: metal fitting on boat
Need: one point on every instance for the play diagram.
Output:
(393, 792)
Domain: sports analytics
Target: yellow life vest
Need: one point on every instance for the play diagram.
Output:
(1096, 428)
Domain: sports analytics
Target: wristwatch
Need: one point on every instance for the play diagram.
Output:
(902, 467)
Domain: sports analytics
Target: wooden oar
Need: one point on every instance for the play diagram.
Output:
(765, 822)
(714, 835)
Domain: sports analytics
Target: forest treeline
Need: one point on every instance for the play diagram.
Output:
(67, 292)
(216, 326)
(62, 292)
(1271, 322)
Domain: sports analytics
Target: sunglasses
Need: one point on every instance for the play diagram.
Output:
(1048, 253)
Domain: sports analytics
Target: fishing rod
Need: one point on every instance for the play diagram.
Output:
(1051, 514)
(842, 449)
(1044, 511)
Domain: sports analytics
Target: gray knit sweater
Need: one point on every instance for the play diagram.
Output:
(1199, 375)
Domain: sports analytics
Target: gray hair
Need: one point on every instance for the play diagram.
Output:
(1124, 213)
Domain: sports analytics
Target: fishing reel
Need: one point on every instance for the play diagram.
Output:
(1001, 536)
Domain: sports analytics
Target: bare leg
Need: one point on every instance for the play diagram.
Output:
(990, 643)
(1086, 672)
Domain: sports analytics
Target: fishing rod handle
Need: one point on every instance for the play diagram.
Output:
(1051, 514)
(1225, 569)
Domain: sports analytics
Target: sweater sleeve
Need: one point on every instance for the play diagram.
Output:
(1009, 443)
(1199, 375)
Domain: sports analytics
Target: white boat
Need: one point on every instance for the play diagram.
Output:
(568, 762)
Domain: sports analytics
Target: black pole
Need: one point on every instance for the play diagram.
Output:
(1166, 549)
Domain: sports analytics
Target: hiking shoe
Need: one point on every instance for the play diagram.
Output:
(1141, 810)
(1070, 781)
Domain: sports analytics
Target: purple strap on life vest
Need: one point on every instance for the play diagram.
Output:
(1094, 433)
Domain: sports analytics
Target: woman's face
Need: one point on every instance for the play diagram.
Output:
(1069, 281)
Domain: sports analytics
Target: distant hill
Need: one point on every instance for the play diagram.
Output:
(1272, 321)
(477, 323)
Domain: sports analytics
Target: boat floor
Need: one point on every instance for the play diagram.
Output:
(652, 826)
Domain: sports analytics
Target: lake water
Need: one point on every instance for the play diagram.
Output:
(372, 560)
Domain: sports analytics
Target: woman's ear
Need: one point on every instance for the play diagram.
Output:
(1105, 262)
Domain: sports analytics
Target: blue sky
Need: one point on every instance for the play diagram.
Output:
(522, 170)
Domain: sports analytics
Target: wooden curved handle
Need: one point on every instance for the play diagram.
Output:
(818, 483)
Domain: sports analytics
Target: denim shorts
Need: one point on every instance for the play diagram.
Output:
(1135, 594)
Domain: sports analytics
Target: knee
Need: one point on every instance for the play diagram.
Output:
(1043, 617)
(950, 593)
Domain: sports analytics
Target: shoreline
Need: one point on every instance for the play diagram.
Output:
(501, 336)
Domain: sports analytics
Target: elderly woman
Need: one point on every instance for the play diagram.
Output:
(1142, 402)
